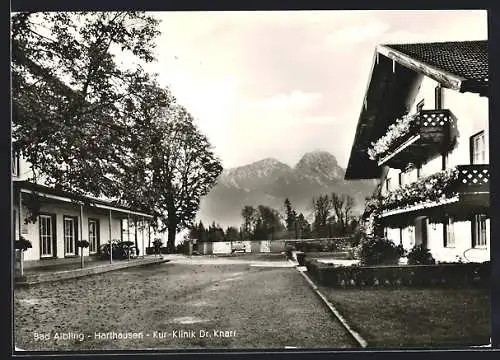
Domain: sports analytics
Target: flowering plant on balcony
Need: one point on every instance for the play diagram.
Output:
(429, 189)
(395, 131)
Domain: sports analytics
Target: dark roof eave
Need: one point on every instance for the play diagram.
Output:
(76, 197)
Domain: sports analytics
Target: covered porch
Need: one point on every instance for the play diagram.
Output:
(54, 222)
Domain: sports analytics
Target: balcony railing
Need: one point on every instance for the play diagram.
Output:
(473, 179)
(447, 186)
(431, 132)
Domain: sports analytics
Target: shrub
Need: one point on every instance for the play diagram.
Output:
(442, 275)
(380, 251)
(420, 255)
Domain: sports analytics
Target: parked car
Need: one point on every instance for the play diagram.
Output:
(238, 247)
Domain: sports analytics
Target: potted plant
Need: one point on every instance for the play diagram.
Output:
(22, 245)
(82, 244)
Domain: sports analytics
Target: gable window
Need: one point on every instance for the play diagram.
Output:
(478, 148)
(70, 235)
(448, 232)
(479, 233)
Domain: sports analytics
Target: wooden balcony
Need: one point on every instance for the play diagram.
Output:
(432, 133)
(469, 192)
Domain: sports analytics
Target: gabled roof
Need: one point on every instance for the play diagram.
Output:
(398, 70)
(465, 60)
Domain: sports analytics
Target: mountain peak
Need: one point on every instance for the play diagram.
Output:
(320, 163)
(318, 156)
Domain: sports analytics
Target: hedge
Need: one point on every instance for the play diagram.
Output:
(442, 275)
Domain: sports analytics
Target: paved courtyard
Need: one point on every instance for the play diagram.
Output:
(241, 301)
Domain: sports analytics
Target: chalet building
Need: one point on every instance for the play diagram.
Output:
(423, 131)
(60, 219)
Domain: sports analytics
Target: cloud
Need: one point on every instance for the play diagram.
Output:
(277, 84)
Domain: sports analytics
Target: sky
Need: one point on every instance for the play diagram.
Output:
(281, 83)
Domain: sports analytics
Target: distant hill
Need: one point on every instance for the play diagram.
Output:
(269, 182)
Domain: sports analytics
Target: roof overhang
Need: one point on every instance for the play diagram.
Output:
(391, 91)
(63, 196)
(392, 88)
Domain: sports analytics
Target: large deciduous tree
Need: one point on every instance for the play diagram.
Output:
(70, 96)
(184, 168)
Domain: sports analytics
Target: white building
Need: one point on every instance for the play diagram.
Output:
(60, 218)
(434, 166)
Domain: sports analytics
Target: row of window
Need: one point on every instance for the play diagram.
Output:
(477, 156)
(479, 233)
(47, 235)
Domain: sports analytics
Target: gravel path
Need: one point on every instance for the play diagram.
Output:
(235, 305)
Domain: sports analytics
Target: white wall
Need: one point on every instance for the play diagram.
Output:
(222, 247)
(31, 231)
(435, 242)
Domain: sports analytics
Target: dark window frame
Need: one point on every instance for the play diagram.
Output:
(446, 241)
(98, 236)
(53, 217)
(471, 145)
(474, 232)
(76, 222)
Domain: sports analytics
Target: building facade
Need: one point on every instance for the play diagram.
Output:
(54, 220)
(423, 132)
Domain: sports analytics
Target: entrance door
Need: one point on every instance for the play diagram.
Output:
(421, 231)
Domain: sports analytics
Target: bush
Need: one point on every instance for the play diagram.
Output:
(380, 251)
(442, 275)
(157, 245)
(420, 255)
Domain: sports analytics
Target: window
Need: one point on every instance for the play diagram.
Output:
(15, 164)
(46, 224)
(70, 235)
(400, 236)
(478, 149)
(448, 232)
(479, 233)
(93, 236)
(387, 184)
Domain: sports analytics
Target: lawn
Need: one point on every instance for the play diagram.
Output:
(416, 317)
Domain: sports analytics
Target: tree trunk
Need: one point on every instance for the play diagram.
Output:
(172, 228)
